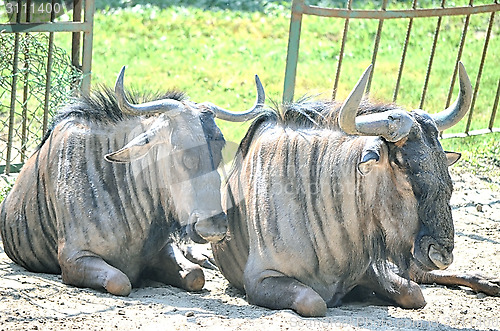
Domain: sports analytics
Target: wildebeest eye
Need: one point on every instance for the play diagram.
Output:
(191, 161)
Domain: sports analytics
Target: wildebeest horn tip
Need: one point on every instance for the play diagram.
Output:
(348, 111)
(247, 115)
(158, 106)
(453, 114)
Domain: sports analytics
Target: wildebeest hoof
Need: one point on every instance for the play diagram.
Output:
(211, 229)
(308, 303)
(193, 280)
(118, 284)
(411, 297)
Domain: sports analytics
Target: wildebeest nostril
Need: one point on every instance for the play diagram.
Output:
(213, 228)
(441, 259)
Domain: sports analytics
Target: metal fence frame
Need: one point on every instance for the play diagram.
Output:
(300, 8)
(77, 27)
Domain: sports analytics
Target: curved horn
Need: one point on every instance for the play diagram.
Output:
(158, 106)
(392, 124)
(453, 114)
(348, 111)
(231, 116)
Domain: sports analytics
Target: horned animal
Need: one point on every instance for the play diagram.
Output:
(109, 185)
(326, 197)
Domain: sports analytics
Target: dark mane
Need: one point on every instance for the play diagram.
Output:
(305, 114)
(101, 106)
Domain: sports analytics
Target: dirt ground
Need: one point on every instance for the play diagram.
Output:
(30, 301)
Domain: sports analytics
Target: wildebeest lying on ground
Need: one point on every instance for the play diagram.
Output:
(325, 197)
(100, 198)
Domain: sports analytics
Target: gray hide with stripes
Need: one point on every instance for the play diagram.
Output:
(314, 211)
(100, 198)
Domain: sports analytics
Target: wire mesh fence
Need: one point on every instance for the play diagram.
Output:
(26, 79)
(36, 76)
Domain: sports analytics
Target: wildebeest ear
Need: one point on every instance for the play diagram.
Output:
(452, 157)
(370, 156)
(140, 145)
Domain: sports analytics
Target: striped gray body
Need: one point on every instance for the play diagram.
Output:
(306, 212)
(70, 207)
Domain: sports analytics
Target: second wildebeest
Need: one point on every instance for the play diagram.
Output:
(324, 197)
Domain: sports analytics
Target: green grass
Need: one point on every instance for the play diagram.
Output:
(213, 54)
(212, 48)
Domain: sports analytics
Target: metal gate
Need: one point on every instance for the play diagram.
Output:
(300, 8)
(27, 86)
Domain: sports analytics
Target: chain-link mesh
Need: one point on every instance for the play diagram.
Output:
(30, 91)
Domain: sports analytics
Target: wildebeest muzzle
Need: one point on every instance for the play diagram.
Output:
(432, 255)
(207, 229)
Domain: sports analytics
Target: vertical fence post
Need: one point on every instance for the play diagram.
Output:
(431, 58)
(480, 71)
(293, 50)
(494, 110)
(341, 53)
(50, 59)
(24, 125)
(12, 113)
(76, 37)
(459, 56)
(403, 55)
(87, 46)
(375, 49)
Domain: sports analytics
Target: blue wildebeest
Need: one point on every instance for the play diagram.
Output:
(100, 198)
(326, 197)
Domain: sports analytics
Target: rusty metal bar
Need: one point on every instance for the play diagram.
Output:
(76, 43)
(24, 124)
(480, 72)
(293, 50)
(50, 58)
(403, 55)
(459, 56)
(13, 91)
(341, 53)
(375, 48)
(431, 58)
(76, 37)
(395, 14)
(495, 106)
(88, 17)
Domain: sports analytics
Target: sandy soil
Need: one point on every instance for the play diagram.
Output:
(30, 301)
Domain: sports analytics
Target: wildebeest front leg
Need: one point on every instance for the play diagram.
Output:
(171, 267)
(406, 293)
(92, 271)
(285, 293)
(478, 283)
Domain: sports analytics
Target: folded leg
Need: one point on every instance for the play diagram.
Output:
(87, 270)
(285, 293)
(171, 267)
(404, 292)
